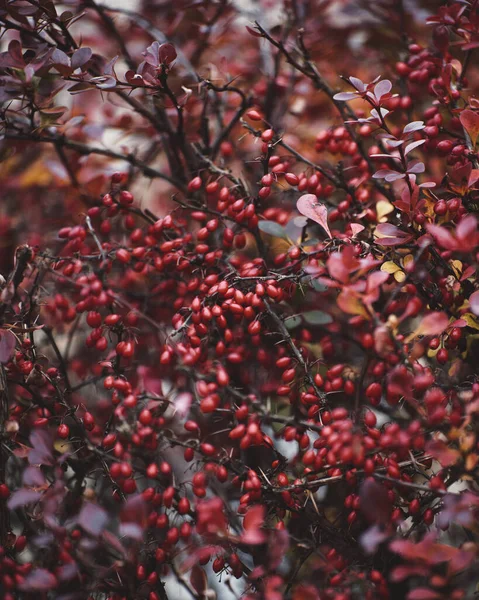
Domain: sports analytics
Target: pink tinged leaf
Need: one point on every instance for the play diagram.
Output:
(434, 323)
(470, 122)
(413, 145)
(467, 228)
(376, 279)
(23, 497)
(309, 206)
(7, 345)
(356, 228)
(345, 96)
(423, 594)
(92, 519)
(442, 236)
(39, 580)
(473, 178)
(252, 524)
(182, 403)
(474, 303)
(382, 88)
(390, 235)
(388, 175)
(337, 267)
(81, 57)
(416, 168)
(443, 453)
(413, 126)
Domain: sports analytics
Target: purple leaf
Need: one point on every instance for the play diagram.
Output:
(394, 143)
(41, 452)
(413, 126)
(60, 58)
(33, 476)
(413, 145)
(416, 168)
(131, 530)
(92, 519)
(22, 498)
(7, 345)
(39, 580)
(109, 68)
(80, 57)
(309, 206)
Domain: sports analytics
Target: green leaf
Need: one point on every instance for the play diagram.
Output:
(317, 317)
(272, 228)
(317, 285)
(293, 321)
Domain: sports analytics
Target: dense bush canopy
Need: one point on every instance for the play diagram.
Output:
(239, 311)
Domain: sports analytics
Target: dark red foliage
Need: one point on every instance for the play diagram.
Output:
(240, 299)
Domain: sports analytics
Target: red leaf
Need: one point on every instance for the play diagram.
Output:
(309, 206)
(470, 122)
(198, 580)
(166, 54)
(441, 452)
(374, 502)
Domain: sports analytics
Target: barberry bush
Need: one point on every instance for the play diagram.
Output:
(240, 300)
